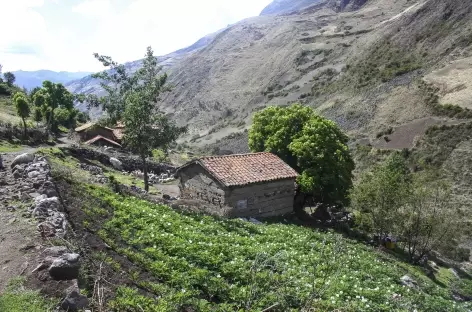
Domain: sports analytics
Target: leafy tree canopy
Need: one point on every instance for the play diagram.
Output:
(132, 99)
(22, 108)
(9, 78)
(309, 143)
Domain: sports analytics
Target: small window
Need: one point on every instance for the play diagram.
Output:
(241, 204)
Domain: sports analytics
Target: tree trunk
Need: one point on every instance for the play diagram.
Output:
(145, 171)
(24, 129)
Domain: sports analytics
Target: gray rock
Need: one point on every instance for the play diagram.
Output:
(55, 251)
(255, 221)
(118, 165)
(22, 159)
(33, 174)
(17, 174)
(74, 302)
(43, 205)
(63, 270)
(48, 189)
(408, 282)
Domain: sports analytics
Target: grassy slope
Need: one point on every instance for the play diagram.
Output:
(188, 260)
(7, 112)
(18, 299)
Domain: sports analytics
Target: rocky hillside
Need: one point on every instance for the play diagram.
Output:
(357, 63)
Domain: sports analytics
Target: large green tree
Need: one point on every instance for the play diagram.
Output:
(51, 97)
(22, 108)
(312, 145)
(132, 98)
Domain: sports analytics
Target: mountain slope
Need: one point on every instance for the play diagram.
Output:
(31, 79)
(278, 7)
(357, 63)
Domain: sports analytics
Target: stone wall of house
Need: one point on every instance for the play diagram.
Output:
(129, 163)
(263, 199)
(197, 184)
(256, 200)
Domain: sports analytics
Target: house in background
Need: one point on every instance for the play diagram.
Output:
(257, 184)
(95, 134)
(102, 141)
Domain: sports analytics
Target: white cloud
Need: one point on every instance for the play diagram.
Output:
(93, 8)
(63, 35)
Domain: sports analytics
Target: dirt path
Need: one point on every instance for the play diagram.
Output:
(19, 243)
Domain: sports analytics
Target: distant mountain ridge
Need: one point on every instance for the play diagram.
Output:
(32, 79)
(286, 6)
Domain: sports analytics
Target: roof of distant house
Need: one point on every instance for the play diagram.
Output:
(90, 125)
(244, 169)
(84, 126)
(99, 137)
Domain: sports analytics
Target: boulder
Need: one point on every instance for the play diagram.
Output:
(74, 301)
(118, 165)
(408, 282)
(43, 205)
(33, 174)
(25, 158)
(65, 268)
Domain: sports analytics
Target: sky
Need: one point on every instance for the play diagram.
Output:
(62, 35)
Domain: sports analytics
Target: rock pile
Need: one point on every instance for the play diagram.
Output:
(59, 264)
(32, 174)
(95, 170)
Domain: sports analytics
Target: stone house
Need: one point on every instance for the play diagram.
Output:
(95, 134)
(251, 185)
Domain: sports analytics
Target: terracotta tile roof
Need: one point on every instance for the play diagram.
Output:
(243, 169)
(99, 137)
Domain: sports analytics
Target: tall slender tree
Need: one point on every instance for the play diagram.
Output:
(22, 108)
(132, 98)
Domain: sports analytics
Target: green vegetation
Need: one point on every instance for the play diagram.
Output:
(7, 147)
(416, 209)
(309, 55)
(314, 146)
(9, 78)
(132, 100)
(22, 108)
(18, 299)
(438, 143)
(56, 105)
(431, 98)
(204, 263)
(384, 63)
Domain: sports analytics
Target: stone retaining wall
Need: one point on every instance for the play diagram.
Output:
(129, 163)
